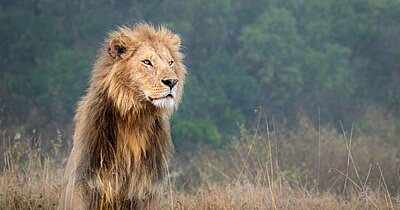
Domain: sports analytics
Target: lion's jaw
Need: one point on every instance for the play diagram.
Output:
(165, 101)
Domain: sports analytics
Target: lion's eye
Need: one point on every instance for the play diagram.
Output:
(170, 63)
(147, 62)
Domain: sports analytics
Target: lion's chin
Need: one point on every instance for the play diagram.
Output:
(164, 103)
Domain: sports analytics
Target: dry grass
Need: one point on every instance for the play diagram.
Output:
(29, 180)
(249, 196)
(272, 167)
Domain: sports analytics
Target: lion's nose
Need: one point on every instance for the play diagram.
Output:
(170, 82)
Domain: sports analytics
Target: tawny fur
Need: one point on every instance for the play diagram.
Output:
(122, 143)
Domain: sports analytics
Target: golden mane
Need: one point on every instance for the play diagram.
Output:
(122, 142)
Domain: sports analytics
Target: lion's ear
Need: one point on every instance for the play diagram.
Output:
(120, 46)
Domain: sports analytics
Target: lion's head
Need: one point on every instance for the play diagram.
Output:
(145, 67)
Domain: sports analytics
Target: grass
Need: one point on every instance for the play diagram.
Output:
(272, 167)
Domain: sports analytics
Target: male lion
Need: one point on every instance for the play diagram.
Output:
(122, 141)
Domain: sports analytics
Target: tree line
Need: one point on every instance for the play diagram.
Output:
(289, 57)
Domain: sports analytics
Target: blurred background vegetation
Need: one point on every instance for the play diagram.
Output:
(291, 57)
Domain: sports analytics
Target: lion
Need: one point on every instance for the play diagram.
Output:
(122, 143)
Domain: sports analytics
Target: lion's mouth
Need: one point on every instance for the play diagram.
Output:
(167, 96)
(166, 102)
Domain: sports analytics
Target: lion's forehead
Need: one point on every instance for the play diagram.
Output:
(162, 49)
(157, 50)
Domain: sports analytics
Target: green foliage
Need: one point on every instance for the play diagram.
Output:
(63, 77)
(287, 56)
(272, 49)
(200, 131)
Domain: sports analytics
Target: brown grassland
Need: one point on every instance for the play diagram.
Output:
(270, 167)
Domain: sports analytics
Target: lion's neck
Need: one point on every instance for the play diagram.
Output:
(134, 147)
(142, 134)
(136, 132)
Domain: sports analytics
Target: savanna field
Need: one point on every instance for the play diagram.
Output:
(270, 167)
(290, 104)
